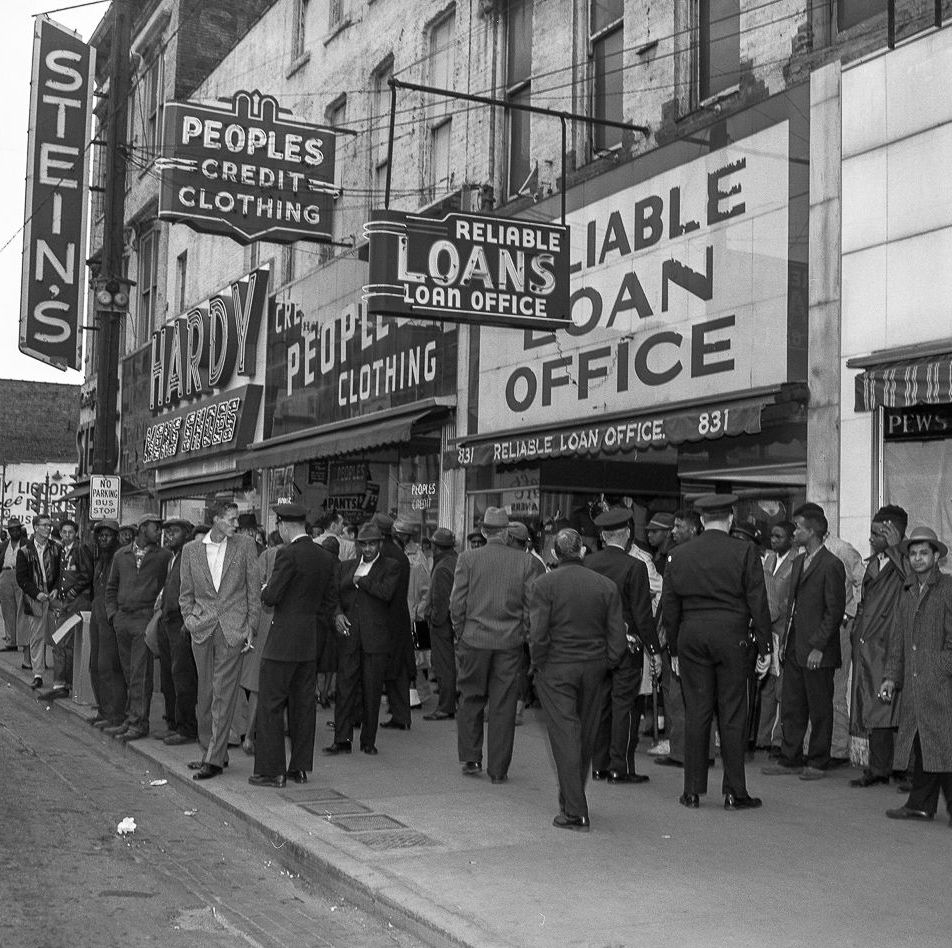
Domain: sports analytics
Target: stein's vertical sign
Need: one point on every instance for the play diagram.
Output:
(54, 236)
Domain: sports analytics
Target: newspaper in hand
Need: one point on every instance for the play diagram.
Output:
(66, 627)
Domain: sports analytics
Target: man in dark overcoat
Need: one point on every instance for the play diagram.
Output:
(713, 594)
(576, 635)
(614, 753)
(919, 662)
(876, 616)
(303, 593)
(441, 629)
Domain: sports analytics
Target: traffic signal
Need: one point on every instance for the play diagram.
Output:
(113, 296)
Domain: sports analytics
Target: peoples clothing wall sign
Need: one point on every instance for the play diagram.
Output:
(53, 285)
(468, 268)
(248, 170)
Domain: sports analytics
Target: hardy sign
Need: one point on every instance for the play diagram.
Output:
(54, 235)
(468, 268)
(247, 171)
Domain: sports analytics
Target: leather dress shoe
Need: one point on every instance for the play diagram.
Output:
(472, 769)
(667, 761)
(115, 730)
(732, 802)
(207, 771)
(907, 813)
(338, 747)
(175, 739)
(368, 749)
(616, 776)
(258, 780)
(195, 764)
(868, 780)
(37, 683)
(133, 734)
(298, 776)
(691, 800)
(503, 779)
(438, 716)
(579, 824)
(394, 725)
(600, 774)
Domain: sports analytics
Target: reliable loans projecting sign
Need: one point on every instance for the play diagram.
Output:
(468, 268)
(247, 171)
(54, 236)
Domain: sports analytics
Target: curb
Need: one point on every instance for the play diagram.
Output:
(366, 887)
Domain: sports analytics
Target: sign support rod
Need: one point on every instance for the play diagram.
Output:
(393, 122)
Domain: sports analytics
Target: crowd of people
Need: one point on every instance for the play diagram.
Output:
(748, 641)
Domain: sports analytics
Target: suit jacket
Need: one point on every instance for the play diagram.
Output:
(303, 591)
(29, 574)
(815, 611)
(576, 616)
(441, 587)
(367, 605)
(171, 611)
(399, 606)
(718, 579)
(73, 589)
(235, 605)
(630, 575)
(778, 589)
(489, 607)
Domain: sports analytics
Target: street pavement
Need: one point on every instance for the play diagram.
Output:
(471, 863)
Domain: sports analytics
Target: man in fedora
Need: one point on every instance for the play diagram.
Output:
(919, 662)
(441, 630)
(489, 609)
(220, 601)
(713, 592)
(367, 588)
(303, 592)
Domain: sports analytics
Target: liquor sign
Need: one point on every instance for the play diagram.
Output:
(104, 497)
(221, 424)
(247, 170)
(468, 268)
(54, 236)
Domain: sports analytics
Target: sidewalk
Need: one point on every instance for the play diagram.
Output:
(476, 864)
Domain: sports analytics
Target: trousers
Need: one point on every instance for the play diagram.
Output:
(184, 678)
(108, 678)
(9, 602)
(219, 670)
(616, 738)
(443, 654)
(926, 785)
(285, 685)
(137, 666)
(488, 682)
(166, 684)
(673, 709)
(397, 682)
(807, 698)
(360, 677)
(882, 748)
(572, 694)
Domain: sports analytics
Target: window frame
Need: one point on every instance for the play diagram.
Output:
(439, 113)
(380, 108)
(595, 39)
(299, 36)
(704, 95)
(147, 284)
(518, 87)
(181, 280)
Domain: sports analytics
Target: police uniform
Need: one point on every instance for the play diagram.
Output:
(713, 593)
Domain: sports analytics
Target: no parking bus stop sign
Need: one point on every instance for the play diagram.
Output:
(104, 497)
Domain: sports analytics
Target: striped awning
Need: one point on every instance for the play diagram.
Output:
(925, 381)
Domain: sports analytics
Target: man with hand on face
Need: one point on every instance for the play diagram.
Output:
(367, 588)
(919, 661)
(303, 592)
(220, 602)
(137, 577)
(713, 597)
(887, 571)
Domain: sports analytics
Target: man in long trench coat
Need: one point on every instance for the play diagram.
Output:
(920, 663)
(886, 572)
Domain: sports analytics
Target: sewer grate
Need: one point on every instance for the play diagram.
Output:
(395, 839)
(372, 821)
(334, 807)
(312, 794)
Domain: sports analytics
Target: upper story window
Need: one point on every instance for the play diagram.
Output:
(718, 46)
(606, 45)
(147, 278)
(336, 117)
(380, 130)
(440, 70)
(849, 13)
(147, 106)
(299, 36)
(518, 92)
(336, 14)
(181, 280)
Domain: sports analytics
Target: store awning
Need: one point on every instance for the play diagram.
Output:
(207, 484)
(624, 434)
(901, 384)
(341, 438)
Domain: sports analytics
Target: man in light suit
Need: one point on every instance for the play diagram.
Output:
(220, 600)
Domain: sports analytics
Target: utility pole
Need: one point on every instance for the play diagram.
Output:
(112, 298)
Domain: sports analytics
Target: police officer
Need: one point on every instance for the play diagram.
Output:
(713, 595)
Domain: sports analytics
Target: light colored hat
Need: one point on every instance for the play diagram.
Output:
(924, 535)
(495, 517)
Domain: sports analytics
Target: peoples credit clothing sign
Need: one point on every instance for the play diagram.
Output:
(678, 291)
(247, 169)
(54, 236)
(330, 360)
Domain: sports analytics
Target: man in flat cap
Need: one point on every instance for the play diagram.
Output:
(877, 615)
(175, 642)
(367, 588)
(919, 662)
(441, 630)
(303, 592)
(713, 592)
(617, 737)
(136, 578)
(105, 669)
(489, 609)
(220, 602)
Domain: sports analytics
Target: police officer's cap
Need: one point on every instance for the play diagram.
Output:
(614, 519)
(291, 512)
(715, 503)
